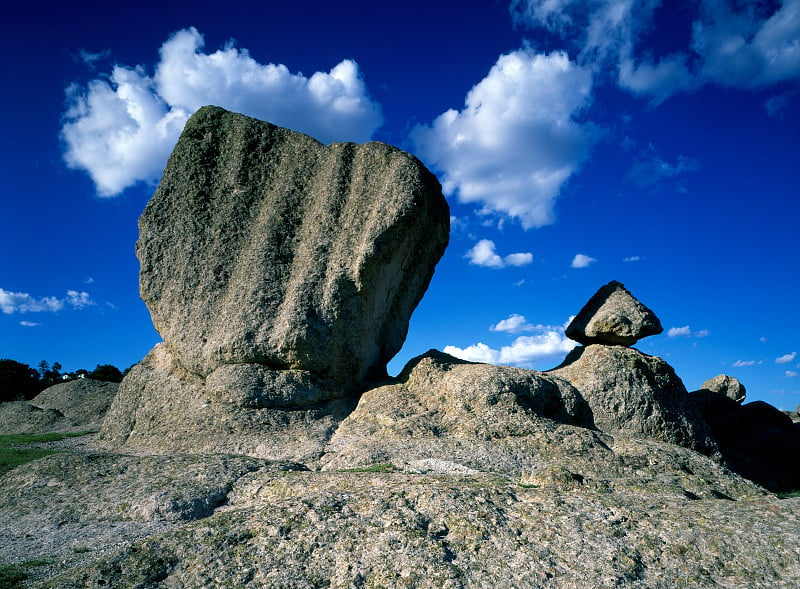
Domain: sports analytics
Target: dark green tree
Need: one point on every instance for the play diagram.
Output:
(106, 372)
(18, 381)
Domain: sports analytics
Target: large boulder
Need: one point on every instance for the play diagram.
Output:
(632, 392)
(613, 316)
(262, 246)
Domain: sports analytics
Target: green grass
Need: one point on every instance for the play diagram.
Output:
(11, 575)
(789, 494)
(12, 457)
(19, 439)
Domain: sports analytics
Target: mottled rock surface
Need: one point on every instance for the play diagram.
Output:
(633, 392)
(83, 401)
(613, 316)
(20, 417)
(262, 246)
(726, 385)
(162, 409)
(203, 521)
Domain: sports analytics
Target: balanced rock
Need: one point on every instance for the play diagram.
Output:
(726, 385)
(632, 392)
(613, 316)
(262, 246)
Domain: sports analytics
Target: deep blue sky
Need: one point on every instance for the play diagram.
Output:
(579, 142)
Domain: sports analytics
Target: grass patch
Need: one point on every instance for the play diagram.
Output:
(20, 439)
(81, 549)
(12, 456)
(789, 494)
(11, 575)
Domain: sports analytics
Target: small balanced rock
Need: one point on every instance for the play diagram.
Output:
(726, 385)
(613, 316)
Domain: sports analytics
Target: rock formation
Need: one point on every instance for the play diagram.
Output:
(254, 447)
(613, 316)
(263, 247)
(281, 274)
(625, 389)
(726, 385)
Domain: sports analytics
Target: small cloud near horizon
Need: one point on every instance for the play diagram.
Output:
(582, 261)
(483, 254)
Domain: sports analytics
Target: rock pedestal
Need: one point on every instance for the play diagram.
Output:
(281, 274)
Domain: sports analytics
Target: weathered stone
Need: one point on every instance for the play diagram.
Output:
(759, 442)
(636, 393)
(280, 415)
(479, 416)
(613, 316)
(726, 385)
(20, 417)
(83, 401)
(262, 246)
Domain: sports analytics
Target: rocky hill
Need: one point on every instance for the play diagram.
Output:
(262, 445)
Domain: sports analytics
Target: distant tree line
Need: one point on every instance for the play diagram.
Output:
(19, 382)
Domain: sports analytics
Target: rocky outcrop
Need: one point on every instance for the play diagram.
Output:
(262, 246)
(83, 401)
(281, 274)
(726, 385)
(632, 392)
(78, 405)
(613, 316)
(161, 409)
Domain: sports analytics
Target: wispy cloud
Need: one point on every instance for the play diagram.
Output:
(29, 324)
(633, 259)
(483, 254)
(517, 140)
(513, 324)
(743, 363)
(791, 374)
(650, 168)
(20, 302)
(582, 261)
(786, 358)
(121, 128)
(740, 45)
(686, 331)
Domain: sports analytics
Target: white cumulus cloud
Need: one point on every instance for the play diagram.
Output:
(120, 129)
(786, 358)
(517, 141)
(686, 331)
(483, 254)
(21, 302)
(513, 324)
(791, 374)
(582, 261)
(526, 351)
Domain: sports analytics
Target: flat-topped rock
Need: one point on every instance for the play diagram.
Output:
(263, 246)
(613, 316)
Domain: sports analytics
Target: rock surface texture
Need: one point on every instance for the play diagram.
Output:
(726, 385)
(261, 246)
(254, 449)
(613, 316)
(281, 274)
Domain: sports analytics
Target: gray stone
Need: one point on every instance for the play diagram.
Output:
(630, 391)
(262, 246)
(84, 401)
(726, 385)
(613, 316)
(238, 409)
